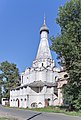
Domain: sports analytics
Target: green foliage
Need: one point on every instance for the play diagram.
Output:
(9, 77)
(0, 94)
(68, 47)
(78, 101)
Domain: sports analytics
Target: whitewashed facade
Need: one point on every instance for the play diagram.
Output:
(38, 83)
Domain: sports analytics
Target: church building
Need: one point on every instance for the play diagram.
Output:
(39, 84)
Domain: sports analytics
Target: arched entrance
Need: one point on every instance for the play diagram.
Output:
(18, 103)
(46, 102)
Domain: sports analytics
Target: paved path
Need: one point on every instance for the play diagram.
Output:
(32, 115)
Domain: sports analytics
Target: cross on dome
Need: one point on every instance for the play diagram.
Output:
(44, 27)
(44, 20)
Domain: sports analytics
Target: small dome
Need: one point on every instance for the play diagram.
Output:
(44, 27)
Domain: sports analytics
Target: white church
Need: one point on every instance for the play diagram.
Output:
(41, 84)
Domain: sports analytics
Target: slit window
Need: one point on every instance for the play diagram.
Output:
(22, 79)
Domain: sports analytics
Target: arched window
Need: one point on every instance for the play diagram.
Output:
(65, 76)
(56, 78)
(48, 99)
(25, 99)
(21, 99)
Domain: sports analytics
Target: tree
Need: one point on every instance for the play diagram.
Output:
(68, 47)
(1, 85)
(9, 76)
(0, 94)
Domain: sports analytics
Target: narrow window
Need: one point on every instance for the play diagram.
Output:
(22, 79)
(25, 99)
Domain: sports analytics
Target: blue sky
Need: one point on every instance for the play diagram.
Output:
(20, 22)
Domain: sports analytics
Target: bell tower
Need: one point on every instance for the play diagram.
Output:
(43, 58)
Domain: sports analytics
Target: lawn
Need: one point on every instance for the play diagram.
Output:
(58, 110)
(3, 118)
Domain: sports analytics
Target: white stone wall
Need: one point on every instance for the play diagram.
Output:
(22, 93)
(34, 97)
(43, 75)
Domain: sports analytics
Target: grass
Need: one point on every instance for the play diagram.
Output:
(49, 109)
(3, 118)
(57, 110)
(73, 113)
